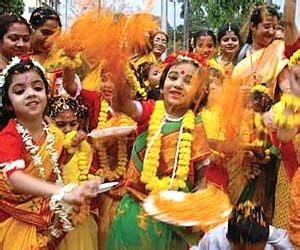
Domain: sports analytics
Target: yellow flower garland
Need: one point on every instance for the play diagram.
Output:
(82, 175)
(82, 152)
(131, 78)
(105, 169)
(295, 59)
(151, 160)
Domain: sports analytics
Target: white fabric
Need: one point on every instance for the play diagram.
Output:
(216, 239)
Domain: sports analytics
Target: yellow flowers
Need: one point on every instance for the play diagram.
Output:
(151, 160)
(132, 79)
(260, 88)
(82, 153)
(295, 59)
(285, 111)
(102, 119)
(105, 170)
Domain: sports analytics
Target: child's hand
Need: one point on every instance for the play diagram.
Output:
(79, 137)
(88, 189)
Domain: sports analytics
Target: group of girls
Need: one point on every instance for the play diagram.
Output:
(202, 117)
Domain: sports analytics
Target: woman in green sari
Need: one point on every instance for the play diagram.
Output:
(170, 153)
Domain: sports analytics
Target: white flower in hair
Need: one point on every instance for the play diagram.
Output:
(2, 80)
(14, 61)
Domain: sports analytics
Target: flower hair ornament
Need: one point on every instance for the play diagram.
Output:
(186, 56)
(15, 60)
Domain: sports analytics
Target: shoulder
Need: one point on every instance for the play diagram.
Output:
(11, 146)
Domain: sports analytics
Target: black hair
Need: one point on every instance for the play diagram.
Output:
(228, 27)
(7, 20)
(257, 17)
(22, 67)
(197, 35)
(247, 224)
(60, 103)
(40, 15)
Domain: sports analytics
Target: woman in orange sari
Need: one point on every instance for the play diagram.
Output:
(262, 63)
(34, 203)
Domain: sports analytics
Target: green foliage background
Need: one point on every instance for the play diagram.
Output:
(8, 6)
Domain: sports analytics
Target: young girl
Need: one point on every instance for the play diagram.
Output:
(35, 204)
(204, 44)
(162, 125)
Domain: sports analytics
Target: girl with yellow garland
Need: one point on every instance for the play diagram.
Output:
(170, 145)
(66, 114)
(35, 203)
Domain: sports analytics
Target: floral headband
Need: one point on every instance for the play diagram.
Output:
(15, 60)
(187, 57)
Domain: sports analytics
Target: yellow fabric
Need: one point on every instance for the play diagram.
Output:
(267, 63)
(282, 198)
(92, 81)
(17, 234)
(84, 236)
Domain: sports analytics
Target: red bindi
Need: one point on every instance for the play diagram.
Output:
(182, 72)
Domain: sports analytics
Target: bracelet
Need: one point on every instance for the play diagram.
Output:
(295, 59)
(290, 101)
(62, 210)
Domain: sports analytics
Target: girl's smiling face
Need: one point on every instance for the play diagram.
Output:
(27, 95)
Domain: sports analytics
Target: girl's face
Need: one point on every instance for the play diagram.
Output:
(66, 121)
(229, 43)
(264, 32)
(154, 75)
(205, 47)
(178, 91)
(27, 95)
(16, 41)
(39, 38)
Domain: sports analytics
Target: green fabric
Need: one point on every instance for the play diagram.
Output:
(133, 230)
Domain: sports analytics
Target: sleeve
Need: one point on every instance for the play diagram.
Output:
(147, 110)
(11, 154)
(279, 239)
(290, 49)
(92, 100)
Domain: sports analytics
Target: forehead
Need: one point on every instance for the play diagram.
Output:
(184, 68)
(50, 24)
(160, 36)
(18, 29)
(229, 34)
(66, 115)
(30, 75)
(205, 40)
(270, 19)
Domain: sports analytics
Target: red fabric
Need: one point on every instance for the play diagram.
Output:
(290, 49)
(143, 122)
(217, 175)
(11, 146)
(289, 157)
(92, 100)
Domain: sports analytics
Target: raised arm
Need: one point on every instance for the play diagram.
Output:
(291, 32)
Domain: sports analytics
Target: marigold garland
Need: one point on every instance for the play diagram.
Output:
(183, 152)
(295, 59)
(132, 79)
(105, 170)
(82, 175)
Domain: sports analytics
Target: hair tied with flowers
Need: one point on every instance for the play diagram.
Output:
(186, 56)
